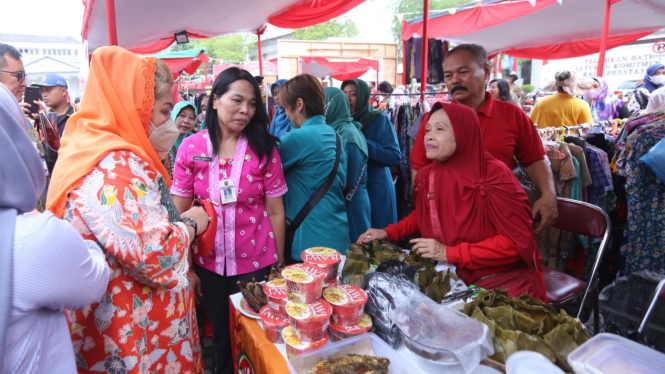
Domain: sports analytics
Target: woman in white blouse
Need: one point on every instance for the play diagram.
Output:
(45, 265)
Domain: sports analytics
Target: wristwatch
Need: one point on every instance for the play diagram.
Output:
(190, 222)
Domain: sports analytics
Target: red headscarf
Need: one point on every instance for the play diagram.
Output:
(475, 192)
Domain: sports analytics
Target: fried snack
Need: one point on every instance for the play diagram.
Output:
(253, 293)
(352, 364)
(275, 272)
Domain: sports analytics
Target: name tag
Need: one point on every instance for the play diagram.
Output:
(201, 158)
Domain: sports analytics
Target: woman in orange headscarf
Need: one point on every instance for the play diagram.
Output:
(111, 184)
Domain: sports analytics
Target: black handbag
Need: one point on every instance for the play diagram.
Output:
(529, 187)
(293, 225)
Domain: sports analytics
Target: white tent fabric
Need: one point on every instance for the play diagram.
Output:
(572, 21)
(147, 22)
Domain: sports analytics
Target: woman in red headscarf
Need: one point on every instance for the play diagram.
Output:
(470, 209)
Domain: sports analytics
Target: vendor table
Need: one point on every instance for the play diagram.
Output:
(253, 353)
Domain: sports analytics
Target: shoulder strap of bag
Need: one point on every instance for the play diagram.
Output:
(318, 195)
(352, 191)
(436, 224)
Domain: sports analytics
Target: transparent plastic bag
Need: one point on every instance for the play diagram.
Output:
(442, 335)
(385, 292)
(655, 159)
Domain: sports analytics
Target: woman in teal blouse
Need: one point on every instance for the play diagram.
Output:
(383, 151)
(308, 156)
(338, 116)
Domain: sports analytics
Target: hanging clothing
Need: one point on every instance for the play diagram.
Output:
(646, 198)
(174, 114)
(110, 184)
(483, 213)
(281, 124)
(384, 152)
(603, 106)
(308, 156)
(338, 116)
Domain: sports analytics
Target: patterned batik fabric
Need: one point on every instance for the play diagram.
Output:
(646, 215)
(145, 322)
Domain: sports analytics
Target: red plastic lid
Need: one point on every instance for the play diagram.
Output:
(318, 311)
(270, 319)
(345, 295)
(321, 256)
(276, 288)
(290, 337)
(363, 326)
(304, 273)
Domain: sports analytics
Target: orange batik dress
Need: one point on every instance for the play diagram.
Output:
(146, 321)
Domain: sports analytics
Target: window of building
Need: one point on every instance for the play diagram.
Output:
(76, 52)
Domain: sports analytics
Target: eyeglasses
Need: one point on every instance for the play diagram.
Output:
(20, 75)
(49, 132)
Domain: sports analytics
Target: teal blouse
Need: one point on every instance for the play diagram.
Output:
(308, 155)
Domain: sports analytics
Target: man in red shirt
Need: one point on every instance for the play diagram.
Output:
(506, 129)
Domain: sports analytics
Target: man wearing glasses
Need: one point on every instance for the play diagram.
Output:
(12, 73)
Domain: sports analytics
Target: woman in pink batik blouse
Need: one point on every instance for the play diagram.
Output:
(235, 163)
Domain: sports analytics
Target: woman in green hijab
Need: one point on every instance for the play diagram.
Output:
(383, 151)
(356, 198)
(184, 115)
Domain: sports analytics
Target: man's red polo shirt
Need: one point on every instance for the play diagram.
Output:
(506, 129)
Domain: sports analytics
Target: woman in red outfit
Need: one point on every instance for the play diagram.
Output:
(470, 209)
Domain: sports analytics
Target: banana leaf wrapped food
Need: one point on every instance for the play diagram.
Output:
(526, 324)
(352, 364)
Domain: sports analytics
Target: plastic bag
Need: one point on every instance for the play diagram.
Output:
(442, 335)
(385, 292)
(655, 159)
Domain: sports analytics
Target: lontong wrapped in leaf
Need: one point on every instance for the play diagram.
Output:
(361, 249)
(562, 343)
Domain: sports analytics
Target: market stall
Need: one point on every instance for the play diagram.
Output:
(141, 28)
(341, 70)
(526, 29)
(187, 61)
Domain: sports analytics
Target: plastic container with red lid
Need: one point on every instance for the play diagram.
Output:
(327, 259)
(295, 347)
(304, 282)
(277, 296)
(338, 332)
(273, 324)
(310, 320)
(348, 303)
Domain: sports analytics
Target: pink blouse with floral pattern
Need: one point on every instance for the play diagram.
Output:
(245, 241)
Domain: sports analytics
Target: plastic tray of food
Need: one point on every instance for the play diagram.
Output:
(609, 353)
(366, 344)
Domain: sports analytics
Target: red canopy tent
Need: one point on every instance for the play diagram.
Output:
(149, 26)
(547, 30)
(184, 61)
(340, 70)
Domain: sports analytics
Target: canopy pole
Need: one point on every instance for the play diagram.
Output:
(110, 22)
(258, 33)
(603, 40)
(404, 48)
(423, 66)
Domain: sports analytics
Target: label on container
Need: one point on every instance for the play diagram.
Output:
(270, 319)
(345, 295)
(321, 256)
(363, 326)
(276, 288)
(317, 311)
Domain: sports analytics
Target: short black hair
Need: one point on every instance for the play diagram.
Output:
(6, 49)
(477, 51)
(513, 76)
(385, 87)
